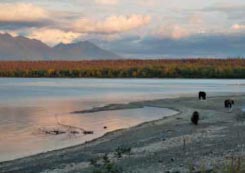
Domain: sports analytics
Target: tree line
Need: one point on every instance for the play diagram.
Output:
(167, 68)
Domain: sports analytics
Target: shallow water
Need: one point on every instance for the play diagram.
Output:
(28, 105)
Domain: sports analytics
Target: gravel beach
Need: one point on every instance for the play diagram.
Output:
(171, 144)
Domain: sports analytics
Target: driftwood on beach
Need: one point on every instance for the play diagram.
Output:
(74, 128)
(52, 131)
(65, 128)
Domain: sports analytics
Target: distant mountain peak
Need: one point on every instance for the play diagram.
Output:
(73, 44)
(22, 48)
(60, 45)
(5, 36)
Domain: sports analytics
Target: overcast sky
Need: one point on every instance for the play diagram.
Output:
(133, 28)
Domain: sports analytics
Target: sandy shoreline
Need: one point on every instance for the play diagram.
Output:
(169, 144)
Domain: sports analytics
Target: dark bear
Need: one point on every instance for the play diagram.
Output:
(202, 95)
(228, 103)
(195, 118)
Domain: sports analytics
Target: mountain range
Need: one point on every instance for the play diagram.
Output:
(22, 48)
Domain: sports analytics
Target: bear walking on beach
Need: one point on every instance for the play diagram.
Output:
(202, 95)
(229, 103)
(195, 118)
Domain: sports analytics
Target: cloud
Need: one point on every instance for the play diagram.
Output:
(107, 2)
(196, 19)
(22, 12)
(182, 27)
(113, 24)
(26, 15)
(14, 16)
(218, 45)
(174, 31)
(148, 3)
(238, 27)
(51, 26)
(225, 8)
(23, 15)
(232, 11)
(177, 31)
(53, 36)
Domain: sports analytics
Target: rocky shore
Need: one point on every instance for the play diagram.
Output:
(171, 144)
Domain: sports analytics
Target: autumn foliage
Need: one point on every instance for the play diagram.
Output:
(184, 68)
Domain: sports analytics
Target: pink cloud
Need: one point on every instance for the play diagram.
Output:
(173, 31)
(54, 36)
(107, 2)
(113, 24)
(238, 27)
(21, 12)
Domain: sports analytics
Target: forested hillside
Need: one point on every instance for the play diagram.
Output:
(185, 68)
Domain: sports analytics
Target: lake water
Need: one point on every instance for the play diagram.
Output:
(27, 106)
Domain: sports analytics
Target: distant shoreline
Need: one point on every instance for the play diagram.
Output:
(158, 68)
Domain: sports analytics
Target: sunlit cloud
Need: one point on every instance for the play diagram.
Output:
(194, 24)
(238, 27)
(196, 19)
(113, 24)
(53, 36)
(148, 3)
(22, 12)
(174, 31)
(107, 2)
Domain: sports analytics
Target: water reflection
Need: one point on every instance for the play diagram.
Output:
(20, 126)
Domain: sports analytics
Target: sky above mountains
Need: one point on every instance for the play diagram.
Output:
(150, 28)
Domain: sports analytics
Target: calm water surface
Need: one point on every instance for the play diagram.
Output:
(28, 105)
